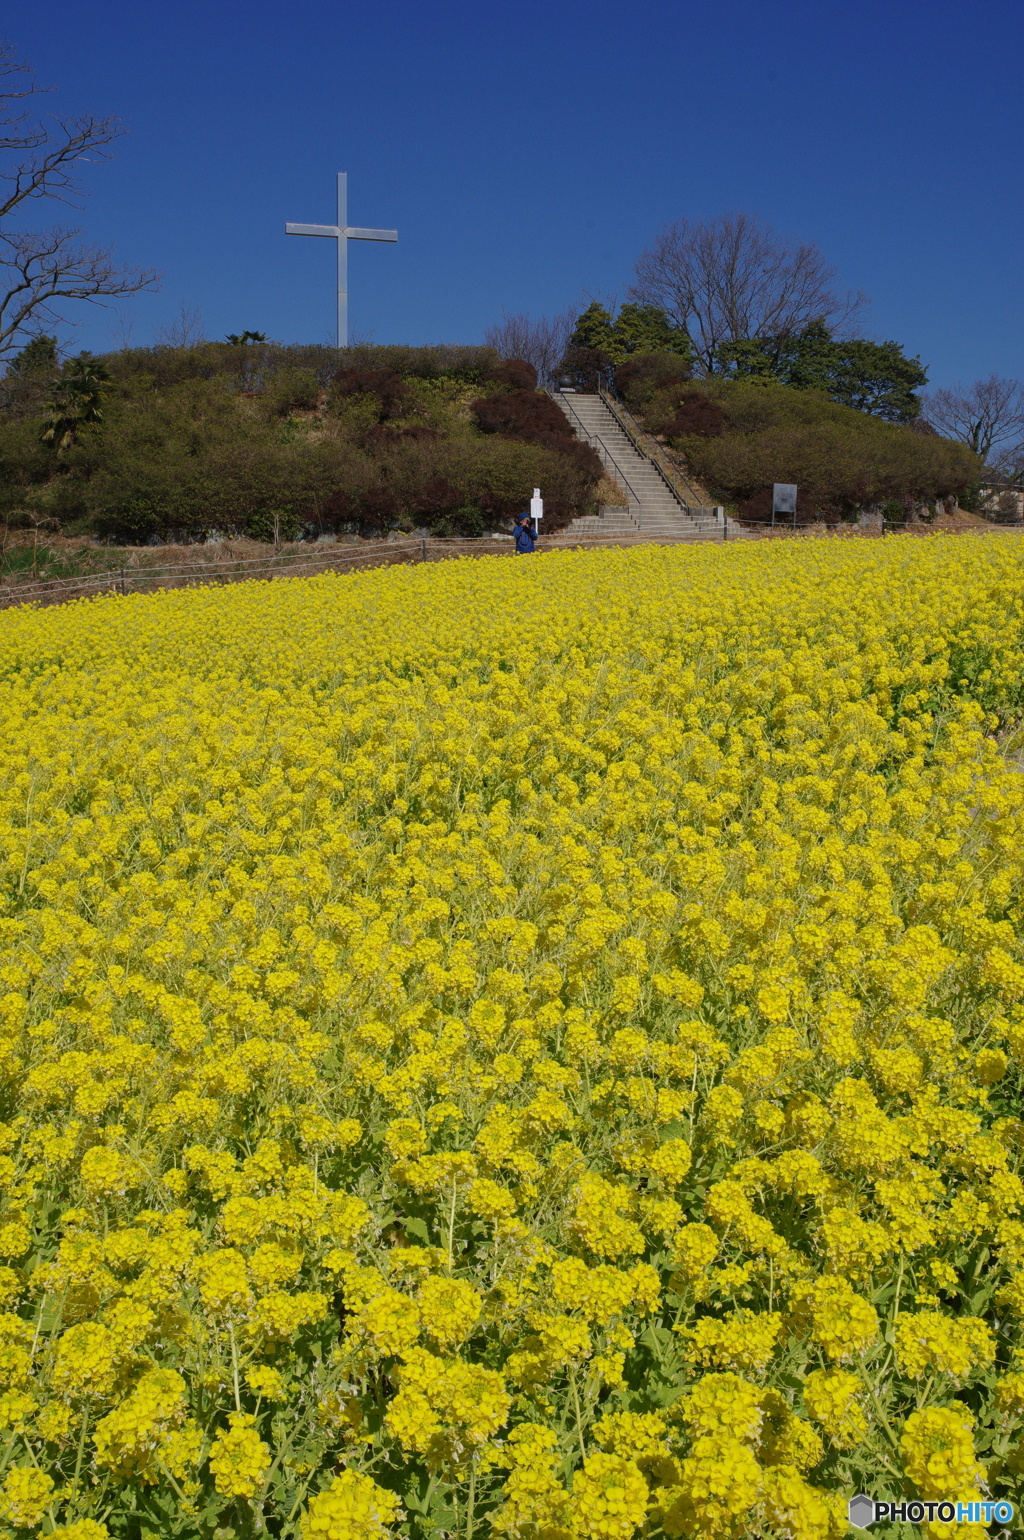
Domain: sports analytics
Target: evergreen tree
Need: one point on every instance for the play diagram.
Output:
(646, 329)
(36, 357)
(879, 378)
(875, 377)
(601, 340)
(595, 331)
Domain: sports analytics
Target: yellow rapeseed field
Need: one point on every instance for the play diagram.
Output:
(525, 1049)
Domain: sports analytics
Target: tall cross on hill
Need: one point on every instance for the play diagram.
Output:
(342, 232)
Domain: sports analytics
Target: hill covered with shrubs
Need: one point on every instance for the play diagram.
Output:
(268, 440)
(280, 442)
(738, 436)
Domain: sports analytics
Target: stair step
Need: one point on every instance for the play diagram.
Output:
(661, 515)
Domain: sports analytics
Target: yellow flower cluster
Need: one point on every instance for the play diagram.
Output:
(842, 1324)
(239, 1459)
(352, 1508)
(829, 1398)
(516, 1049)
(609, 1498)
(927, 1340)
(25, 1496)
(136, 1438)
(534, 1501)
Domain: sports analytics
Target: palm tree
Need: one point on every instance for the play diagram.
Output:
(75, 401)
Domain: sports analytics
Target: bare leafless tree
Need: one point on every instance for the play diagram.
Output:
(540, 340)
(988, 416)
(186, 330)
(734, 277)
(41, 270)
(124, 330)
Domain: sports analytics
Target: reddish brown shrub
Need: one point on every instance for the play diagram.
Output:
(434, 498)
(378, 507)
(533, 418)
(389, 388)
(522, 414)
(639, 377)
(515, 373)
(698, 415)
(382, 435)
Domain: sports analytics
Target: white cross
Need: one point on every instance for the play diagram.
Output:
(342, 232)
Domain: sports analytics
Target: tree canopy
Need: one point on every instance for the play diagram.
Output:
(76, 401)
(874, 377)
(730, 279)
(636, 329)
(37, 357)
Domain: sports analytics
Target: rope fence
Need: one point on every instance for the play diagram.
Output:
(128, 579)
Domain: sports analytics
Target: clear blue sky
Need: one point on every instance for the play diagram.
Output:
(527, 152)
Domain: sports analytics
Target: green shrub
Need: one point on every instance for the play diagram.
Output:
(471, 365)
(496, 475)
(188, 460)
(466, 521)
(252, 369)
(290, 390)
(275, 524)
(839, 458)
(139, 512)
(25, 463)
(192, 439)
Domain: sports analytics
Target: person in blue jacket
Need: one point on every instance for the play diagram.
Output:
(526, 540)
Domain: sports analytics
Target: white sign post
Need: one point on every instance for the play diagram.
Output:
(536, 506)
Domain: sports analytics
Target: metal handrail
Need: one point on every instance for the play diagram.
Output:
(620, 477)
(648, 447)
(593, 438)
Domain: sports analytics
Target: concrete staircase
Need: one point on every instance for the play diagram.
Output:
(654, 513)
